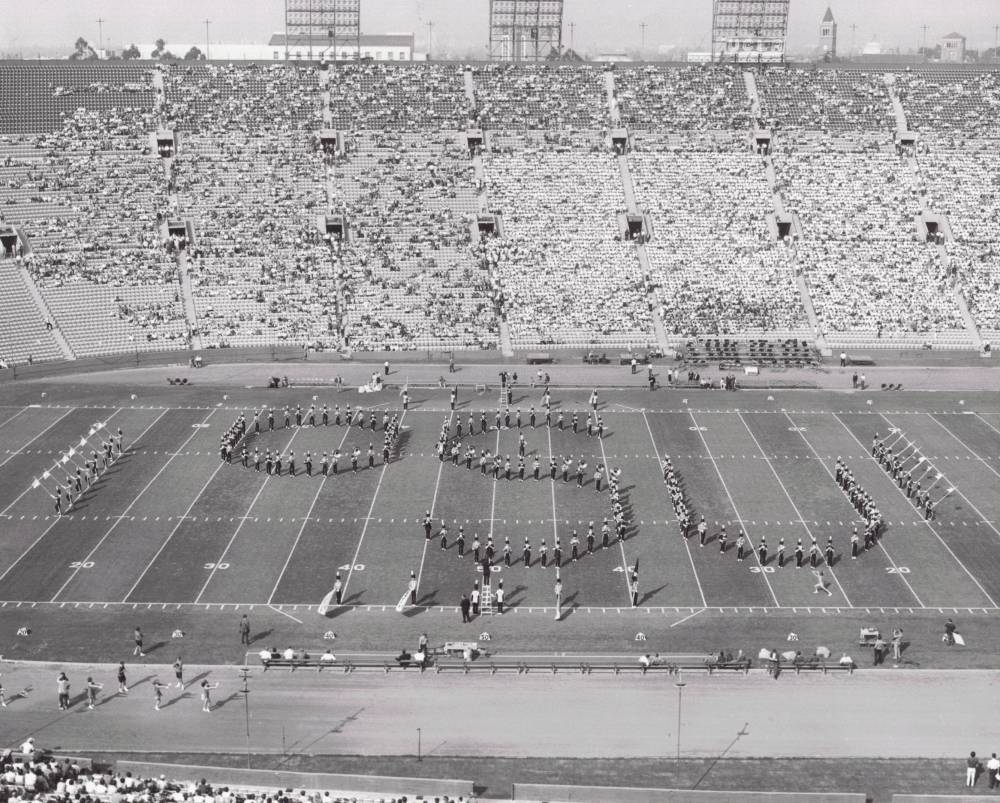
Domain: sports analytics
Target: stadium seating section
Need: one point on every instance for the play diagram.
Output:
(82, 184)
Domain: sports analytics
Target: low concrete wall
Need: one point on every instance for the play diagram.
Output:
(936, 798)
(610, 794)
(231, 776)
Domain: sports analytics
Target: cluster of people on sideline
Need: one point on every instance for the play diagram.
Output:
(78, 483)
(864, 504)
(91, 692)
(903, 477)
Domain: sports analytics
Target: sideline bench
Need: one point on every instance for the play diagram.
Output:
(538, 357)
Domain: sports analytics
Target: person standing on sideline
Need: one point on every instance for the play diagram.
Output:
(971, 768)
(122, 688)
(821, 583)
(245, 631)
(338, 588)
(499, 596)
(466, 606)
(92, 689)
(206, 695)
(992, 768)
(474, 600)
(897, 646)
(413, 588)
(62, 690)
(558, 592)
(137, 635)
(949, 634)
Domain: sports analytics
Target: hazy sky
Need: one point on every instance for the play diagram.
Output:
(600, 25)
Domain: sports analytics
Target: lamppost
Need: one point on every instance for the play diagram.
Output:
(680, 684)
(244, 676)
(419, 757)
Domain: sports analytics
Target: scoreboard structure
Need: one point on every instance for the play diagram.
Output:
(525, 30)
(325, 24)
(749, 31)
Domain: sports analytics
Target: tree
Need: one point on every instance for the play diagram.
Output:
(160, 46)
(83, 51)
(131, 53)
(194, 54)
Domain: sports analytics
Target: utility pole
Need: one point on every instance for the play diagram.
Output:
(572, 31)
(430, 38)
(207, 45)
(100, 33)
(642, 48)
(854, 30)
(996, 43)
(924, 29)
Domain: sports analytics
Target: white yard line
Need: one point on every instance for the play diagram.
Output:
(977, 415)
(368, 518)
(689, 616)
(621, 541)
(437, 485)
(176, 527)
(46, 530)
(130, 505)
(878, 541)
(788, 496)
(8, 420)
(732, 503)
(305, 521)
(981, 459)
(930, 526)
(21, 448)
(243, 520)
(985, 519)
(687, 546)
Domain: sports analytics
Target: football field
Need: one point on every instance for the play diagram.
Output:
(172, 525)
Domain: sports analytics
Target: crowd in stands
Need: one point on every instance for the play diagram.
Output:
(403, 97)
(30, 774)
(515, 97)
(682, 98)
(408, 276)
(40, 96)
(960, 178)
(263, 99)
(563, 272)
(260, 269)
(866, 268)
(79, 181)
(717, 267)
(824, 100)
(964, 102)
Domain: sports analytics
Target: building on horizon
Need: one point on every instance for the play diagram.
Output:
(374, 47)
(828, 35)
(953, 48)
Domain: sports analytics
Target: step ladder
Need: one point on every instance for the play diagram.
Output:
(486, 606)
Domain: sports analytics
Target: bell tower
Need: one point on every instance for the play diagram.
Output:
(828, 35)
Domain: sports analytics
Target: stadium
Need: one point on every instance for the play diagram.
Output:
(532, 428)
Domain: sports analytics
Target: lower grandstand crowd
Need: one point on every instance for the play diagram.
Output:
(31, 774)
